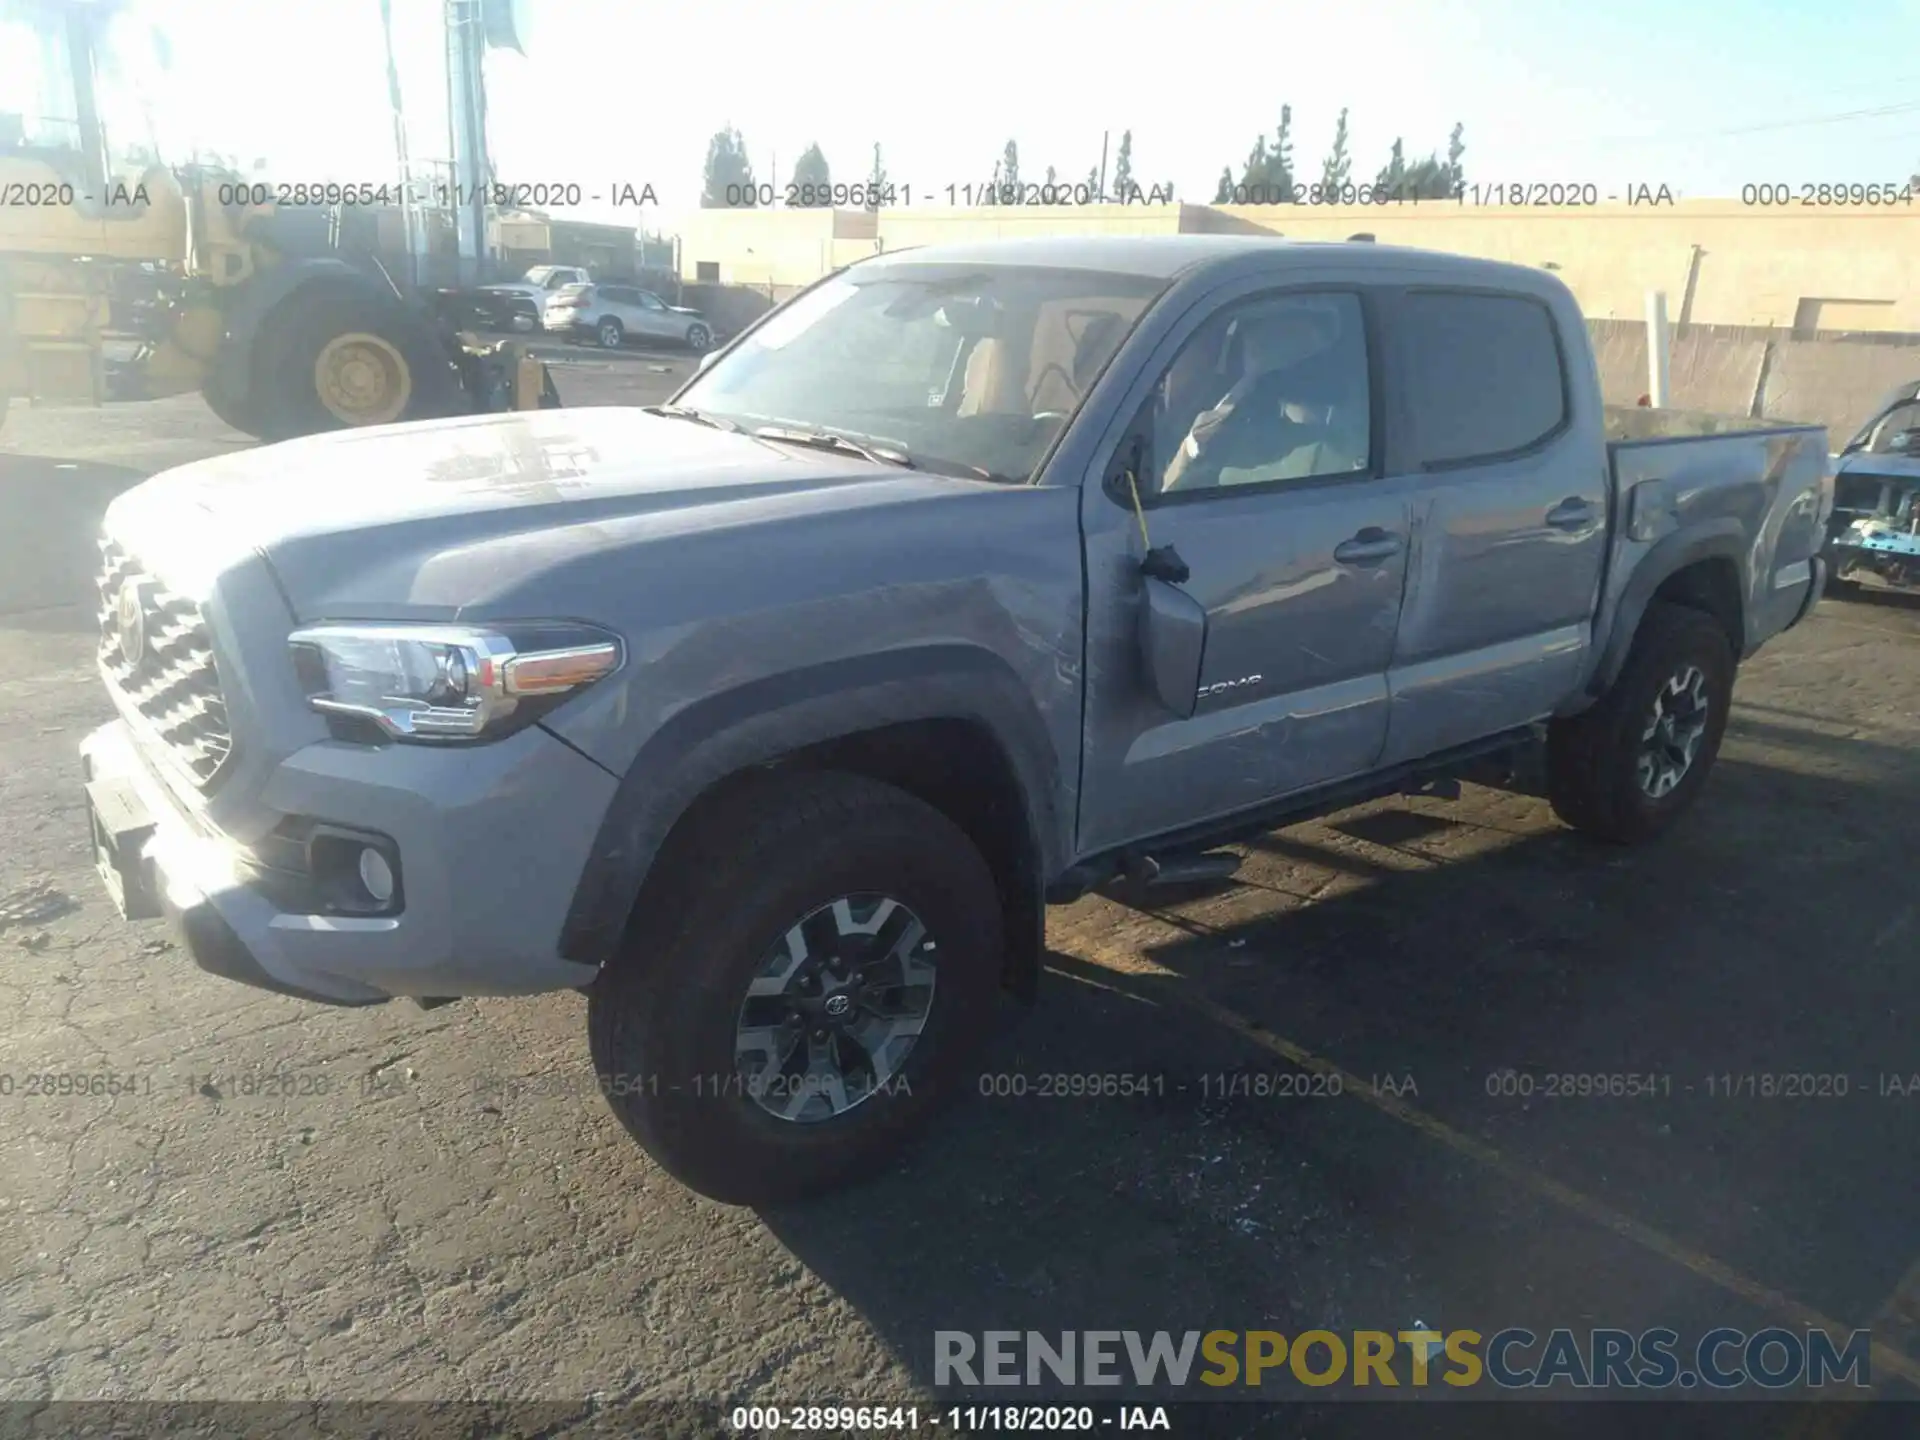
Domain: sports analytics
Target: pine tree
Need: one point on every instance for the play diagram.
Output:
(1123, 167)
(1393, 178)
(729, 173)
(1008, 172)
(1282, 176)
(1338, 168)
(811, 179)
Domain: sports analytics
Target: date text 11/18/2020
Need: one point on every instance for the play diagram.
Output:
(857, 195)
(802, 195)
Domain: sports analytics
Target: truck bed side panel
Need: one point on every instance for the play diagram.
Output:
(1749, 499)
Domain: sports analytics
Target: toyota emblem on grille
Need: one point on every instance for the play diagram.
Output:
(838, 1005)
(131, 616)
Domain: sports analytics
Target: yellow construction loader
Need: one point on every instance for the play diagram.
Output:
(132, 281)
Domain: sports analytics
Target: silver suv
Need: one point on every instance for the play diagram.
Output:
(613, 314)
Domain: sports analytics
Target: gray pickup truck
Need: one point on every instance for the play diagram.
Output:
(971, 580)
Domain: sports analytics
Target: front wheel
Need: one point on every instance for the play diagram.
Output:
(827, 970)
(1627, 768)
(698, 337)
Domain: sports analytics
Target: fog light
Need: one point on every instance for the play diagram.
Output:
(376, 874)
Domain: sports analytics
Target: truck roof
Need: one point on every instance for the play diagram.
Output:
(1166, 256)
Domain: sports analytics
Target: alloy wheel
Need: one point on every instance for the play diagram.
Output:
(835, 1009)
(1676, 725)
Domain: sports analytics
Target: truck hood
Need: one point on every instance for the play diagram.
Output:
(425, 520)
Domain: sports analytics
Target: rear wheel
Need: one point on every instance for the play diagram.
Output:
(1627, 768)
(332, 360)
(611, 333)
(829, 967)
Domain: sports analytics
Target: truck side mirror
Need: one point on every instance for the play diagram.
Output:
(1172, 630)
(1173, 641)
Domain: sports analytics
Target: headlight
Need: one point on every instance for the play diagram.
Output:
(448, 682)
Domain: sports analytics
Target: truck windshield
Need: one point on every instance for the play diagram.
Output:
(964, 371)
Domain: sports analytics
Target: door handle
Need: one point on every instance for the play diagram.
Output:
(1369, 547)
(1573, 513)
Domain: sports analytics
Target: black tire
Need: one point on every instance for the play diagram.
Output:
(698, 337)
(662, 1018)
(610, 333)
(1593, 758)
(286, 402)
(229, 411)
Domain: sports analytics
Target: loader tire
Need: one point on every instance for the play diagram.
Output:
(229, 410)
(333, 359)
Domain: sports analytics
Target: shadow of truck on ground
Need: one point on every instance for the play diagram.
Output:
(1459, 948)
(50, 511)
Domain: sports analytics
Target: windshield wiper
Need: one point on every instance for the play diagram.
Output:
(681, 412)
(827, 440)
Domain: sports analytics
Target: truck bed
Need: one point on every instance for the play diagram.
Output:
(1715, 475)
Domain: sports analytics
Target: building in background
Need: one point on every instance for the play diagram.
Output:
(1800, 270)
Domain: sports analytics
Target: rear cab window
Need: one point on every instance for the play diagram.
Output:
(1485, 375)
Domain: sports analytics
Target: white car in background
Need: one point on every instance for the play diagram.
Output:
(540, 285)
(615, 314)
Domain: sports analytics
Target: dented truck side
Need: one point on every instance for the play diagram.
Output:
(971, 580)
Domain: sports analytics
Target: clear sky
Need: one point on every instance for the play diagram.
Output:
(1703, 97)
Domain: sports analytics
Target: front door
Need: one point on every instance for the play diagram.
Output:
(1257, 457)
(654, 319)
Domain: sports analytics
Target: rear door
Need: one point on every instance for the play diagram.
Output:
(1296, 556)
(623, 304)
(1510, 513)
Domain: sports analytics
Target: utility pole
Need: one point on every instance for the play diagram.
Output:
(466, 112)
(410, 220)
(1103, 165)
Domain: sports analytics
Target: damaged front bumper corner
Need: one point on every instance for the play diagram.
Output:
(156, 865)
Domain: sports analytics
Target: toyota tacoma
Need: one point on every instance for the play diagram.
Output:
(969, 581)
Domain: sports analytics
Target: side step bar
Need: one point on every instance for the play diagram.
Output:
(1181, 869)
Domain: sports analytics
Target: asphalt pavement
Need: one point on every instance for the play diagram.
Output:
(1386, 1079)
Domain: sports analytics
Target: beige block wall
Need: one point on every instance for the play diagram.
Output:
(769, 247)
(1835, 268)
(1758, 265)
(902, 228)
(1836, 383)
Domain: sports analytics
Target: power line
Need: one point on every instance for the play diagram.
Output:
(1839, 117)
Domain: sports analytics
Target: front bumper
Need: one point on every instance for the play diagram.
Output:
(491, 842)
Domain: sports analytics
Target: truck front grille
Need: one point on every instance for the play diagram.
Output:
(156, 650)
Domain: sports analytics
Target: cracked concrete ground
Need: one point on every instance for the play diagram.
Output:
(254, 1198)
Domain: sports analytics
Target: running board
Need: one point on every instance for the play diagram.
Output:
(1436, 775)
(1182, 869)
